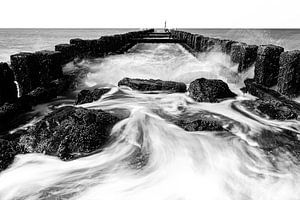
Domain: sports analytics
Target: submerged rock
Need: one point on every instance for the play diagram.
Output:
(205, 90)
(88, 96)
(273, 109)
(69, 132)
(278, 142)
(201, 121)
(151, 85)
(270, 102)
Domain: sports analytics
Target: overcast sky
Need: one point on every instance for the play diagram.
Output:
(150, 13)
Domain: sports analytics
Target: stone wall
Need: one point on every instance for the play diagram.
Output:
(273, 66)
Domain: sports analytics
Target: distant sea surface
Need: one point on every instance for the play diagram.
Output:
(29, 40)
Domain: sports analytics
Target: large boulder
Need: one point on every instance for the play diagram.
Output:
(243, 54)
(8, 88)
(209, 90)
(289, 73)
(267, 64)
(69, 132)
(26, 69)
(152, 85)
(88, 96)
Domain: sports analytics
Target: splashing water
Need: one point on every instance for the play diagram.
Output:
(150, 157)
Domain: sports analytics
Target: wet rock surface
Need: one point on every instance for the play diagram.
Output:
(68, 52)
(272, 109)
(26, 70)
(152, 85)
(267, 64)
(209, 90)
(289, 73)
(202, 121)
(8, 89)
(243, 54)
(279, 142)
(8, 150)
(10, 111)
(88, 96)
(69, 132)
(272, 98)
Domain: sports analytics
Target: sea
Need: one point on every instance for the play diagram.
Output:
(150, 157)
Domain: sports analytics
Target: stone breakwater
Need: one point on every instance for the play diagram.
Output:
(35, 77)
(273, 65)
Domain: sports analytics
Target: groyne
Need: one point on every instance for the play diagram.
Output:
(35, 77)
(273, 66)
(39, 75)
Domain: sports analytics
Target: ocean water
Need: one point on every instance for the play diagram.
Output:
(150, 157)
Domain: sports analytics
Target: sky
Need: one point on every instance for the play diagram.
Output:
(150, 13)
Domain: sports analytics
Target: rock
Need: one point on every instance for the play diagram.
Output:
(243, 54)
(87, 96)
(69, 132)
(267, 64)
(204, 44)
(42, 95)
(68, 52)
(226, 45)
(197, 42)
(205, 90)
(289, 73)
(202, 121)
(81, 46)
(9, 111)
(213, 44)
(273, 109)
(279, 142)
(8, 88)
(8, 150)
(194, 41)
(270, 95)
(151, 85)
(50, 66)
(26, 70)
